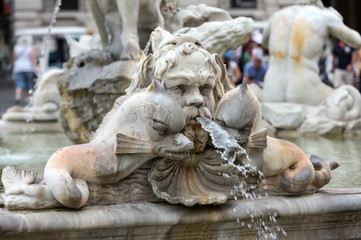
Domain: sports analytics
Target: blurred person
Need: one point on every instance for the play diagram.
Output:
(342, 64)
(357, 67)
(5, 58)
(233, 69)
(245, 58)
(256, 49)
(24, 68)
(230, 55)
(255, 70)
(325, 66)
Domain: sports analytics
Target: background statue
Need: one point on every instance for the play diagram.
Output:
(118, 22)
(44, 103)
(295, 37)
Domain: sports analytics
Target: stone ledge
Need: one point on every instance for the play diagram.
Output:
(330, 214)
(21, 126)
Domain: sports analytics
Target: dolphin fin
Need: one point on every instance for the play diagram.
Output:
(127, 144)
(334, 164)
(319, 163)
(89, 135)
(259, 139)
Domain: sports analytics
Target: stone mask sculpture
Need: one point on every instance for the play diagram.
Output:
(162, 136)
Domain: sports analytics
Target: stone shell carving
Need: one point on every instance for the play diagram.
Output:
(208, 181)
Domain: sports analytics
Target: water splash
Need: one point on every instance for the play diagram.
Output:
(222, 140)
(266, 227)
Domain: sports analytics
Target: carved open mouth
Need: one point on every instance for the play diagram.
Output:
(176, 155)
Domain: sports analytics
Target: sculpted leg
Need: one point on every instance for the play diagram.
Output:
(98, 13)
(129, 37)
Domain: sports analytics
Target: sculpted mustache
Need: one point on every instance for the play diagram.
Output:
(192, 112)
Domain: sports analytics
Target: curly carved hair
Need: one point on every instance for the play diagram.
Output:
(168, 56)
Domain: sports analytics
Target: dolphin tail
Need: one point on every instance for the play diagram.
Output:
(14, 179)
(323, 170)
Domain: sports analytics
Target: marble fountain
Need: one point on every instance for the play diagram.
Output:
(183, 154)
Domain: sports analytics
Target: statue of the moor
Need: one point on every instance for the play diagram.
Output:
(178, 135)
(295, 37)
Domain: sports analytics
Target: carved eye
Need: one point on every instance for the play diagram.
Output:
(205, 90)
(159, 126)
(221, 122)
(245, 131)
(178, 89)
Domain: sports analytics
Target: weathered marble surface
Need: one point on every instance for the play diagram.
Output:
(330, 214)
(88, 91)
(307, 120)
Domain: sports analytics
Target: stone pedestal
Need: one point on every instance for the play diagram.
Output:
(330, 214)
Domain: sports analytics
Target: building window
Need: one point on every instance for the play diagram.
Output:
(243, 3)
(69, 5)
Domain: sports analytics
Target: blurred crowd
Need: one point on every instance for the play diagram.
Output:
(339, 64)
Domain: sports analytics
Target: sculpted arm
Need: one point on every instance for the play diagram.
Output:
(341, 31)
(266, 34)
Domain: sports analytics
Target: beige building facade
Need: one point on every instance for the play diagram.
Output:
(37, 13)
(258, 10)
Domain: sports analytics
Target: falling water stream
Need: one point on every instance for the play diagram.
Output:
(265, 226)
(44, 57)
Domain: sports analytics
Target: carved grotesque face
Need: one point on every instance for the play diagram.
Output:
(191, 84)
(236, 114)
(152, 122)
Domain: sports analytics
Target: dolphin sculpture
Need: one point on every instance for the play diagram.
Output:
(140, 127)
(285, 166)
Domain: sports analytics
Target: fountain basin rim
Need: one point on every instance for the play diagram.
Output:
(20, 126)
(142, 214)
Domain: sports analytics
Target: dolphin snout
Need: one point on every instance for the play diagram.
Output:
(184, 144)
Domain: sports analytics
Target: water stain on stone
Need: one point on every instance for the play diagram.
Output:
(278, 54)
(300, 34)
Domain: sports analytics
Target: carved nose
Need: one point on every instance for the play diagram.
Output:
(195, 99)
(177, 141)
(183, 142)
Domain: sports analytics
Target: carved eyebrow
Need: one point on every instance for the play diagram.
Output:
(159, 121)
(185, 76)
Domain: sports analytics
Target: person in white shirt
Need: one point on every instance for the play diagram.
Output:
(24, 68)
